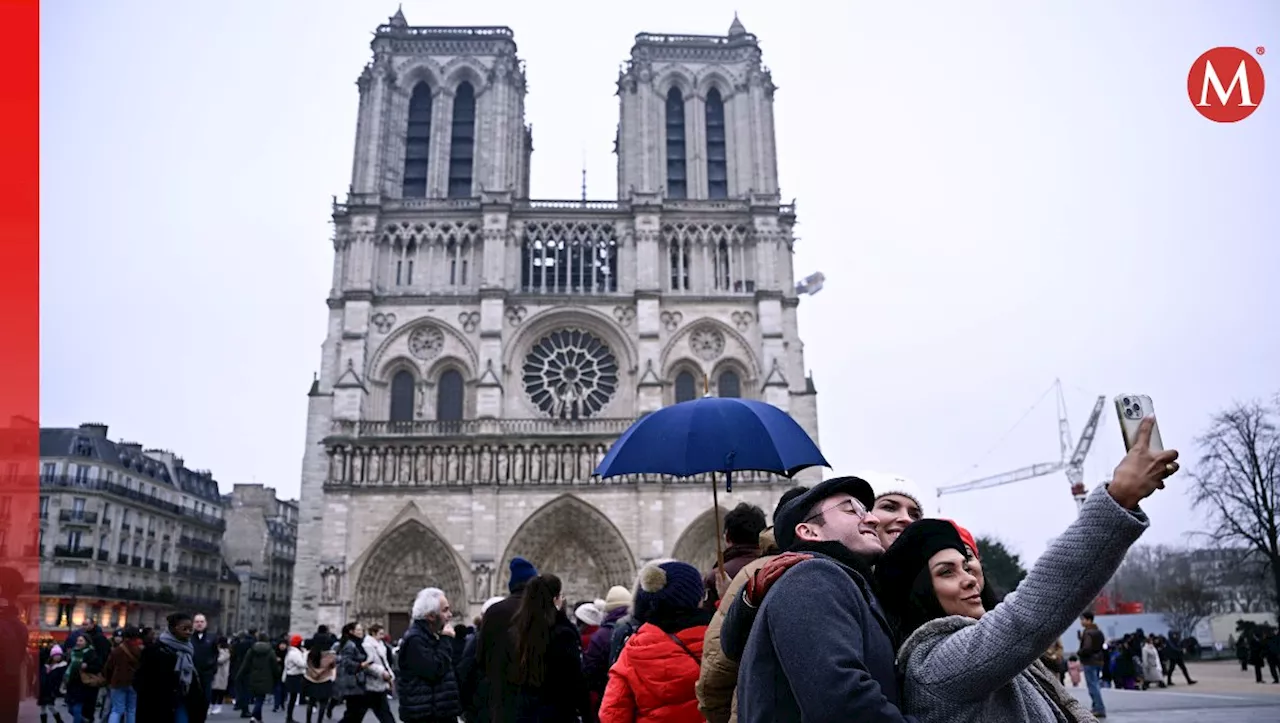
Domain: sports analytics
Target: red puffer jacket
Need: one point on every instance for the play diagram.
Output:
(654, 678)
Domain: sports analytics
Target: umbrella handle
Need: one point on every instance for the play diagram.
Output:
(715, 501)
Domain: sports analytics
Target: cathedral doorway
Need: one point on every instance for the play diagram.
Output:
(397, 624)
(697, 544)
(405, 560)
(575, 542)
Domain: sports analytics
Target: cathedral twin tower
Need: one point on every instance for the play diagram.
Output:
(484, 348)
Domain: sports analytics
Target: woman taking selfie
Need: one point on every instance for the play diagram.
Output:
(968, 658)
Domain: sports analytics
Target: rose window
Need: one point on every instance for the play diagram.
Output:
(426, 341)
(570, 374)
(707, 343)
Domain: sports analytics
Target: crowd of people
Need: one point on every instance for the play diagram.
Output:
(1260, 647)
(851, 606)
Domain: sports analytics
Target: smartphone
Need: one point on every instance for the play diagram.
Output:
(1132, 409)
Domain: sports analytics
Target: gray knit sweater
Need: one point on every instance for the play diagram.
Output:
(959, 670)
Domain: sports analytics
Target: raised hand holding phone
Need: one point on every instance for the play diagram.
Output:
(1143, 470)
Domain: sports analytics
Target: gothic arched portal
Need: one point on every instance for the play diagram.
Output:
(404, 561)
(697, 544)
(575, 542)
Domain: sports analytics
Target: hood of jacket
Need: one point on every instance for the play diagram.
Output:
(260, 648)
(614, 616)
(931, 632)
(768, 543)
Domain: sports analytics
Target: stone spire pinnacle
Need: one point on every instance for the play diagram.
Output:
(397, 20)
(736, 28)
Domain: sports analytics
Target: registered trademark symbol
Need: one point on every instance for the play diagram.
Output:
(1261, 50)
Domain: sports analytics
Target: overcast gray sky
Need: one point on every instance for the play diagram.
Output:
(997, 197)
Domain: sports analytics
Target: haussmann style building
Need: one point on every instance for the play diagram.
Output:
(127, 535)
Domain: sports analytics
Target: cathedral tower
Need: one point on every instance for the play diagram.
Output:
(484, 349)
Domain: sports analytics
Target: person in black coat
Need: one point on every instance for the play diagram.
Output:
(167, 679)
(428, 685)
(239, 687)
(495, 696)
(206, 653)
(547, 668)
(1177, 659)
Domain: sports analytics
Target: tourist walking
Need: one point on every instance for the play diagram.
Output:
(167, 682)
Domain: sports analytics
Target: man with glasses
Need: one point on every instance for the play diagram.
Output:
(820, 648)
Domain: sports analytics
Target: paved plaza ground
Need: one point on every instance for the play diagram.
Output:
(1223, 694)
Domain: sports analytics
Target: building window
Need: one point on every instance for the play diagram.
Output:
(462, 141)
(449, 396)
(728, 385)
(73, 540)
(402, 396)
(50, 469)
(677, 181)
(679, 265)
(417, 143)
(717, 153)
(404, 256)
(686, 387)
(44, 506)
(570, 374)
(723, 267)
(576, 257)
(77, 506)
(82, 474)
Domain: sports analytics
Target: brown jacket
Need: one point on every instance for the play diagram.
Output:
(122, 664)
(716, 688)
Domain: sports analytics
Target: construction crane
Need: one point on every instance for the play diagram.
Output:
(1072, 461)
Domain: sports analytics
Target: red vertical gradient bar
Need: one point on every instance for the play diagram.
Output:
(19, 350)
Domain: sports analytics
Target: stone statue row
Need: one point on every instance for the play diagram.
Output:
(373, 465)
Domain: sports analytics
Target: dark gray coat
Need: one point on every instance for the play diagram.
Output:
(820, 649)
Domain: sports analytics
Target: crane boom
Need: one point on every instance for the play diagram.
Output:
(1072, 462)
(1017, 475)
(1075, 465)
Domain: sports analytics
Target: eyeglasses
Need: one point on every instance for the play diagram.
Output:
(849, 507)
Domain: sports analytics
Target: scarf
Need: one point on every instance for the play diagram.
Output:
(185, 668)
(75, 659)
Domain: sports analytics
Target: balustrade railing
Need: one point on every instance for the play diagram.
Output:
(481, 427)
(607, 206)
(99, 485)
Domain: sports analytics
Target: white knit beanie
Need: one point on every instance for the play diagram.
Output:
(490, 603)
(891, 484)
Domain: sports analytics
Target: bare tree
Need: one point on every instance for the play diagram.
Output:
(1139, 575)
(1238, 483)
(1183, 597)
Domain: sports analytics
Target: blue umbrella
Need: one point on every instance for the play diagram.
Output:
(713, 434)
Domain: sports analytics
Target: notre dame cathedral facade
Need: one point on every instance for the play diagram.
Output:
(484, 348)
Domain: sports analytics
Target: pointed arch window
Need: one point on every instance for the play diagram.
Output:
(449, 396)
(417, 143)
(402, 396)
(723, 266)
(686, 387)
(677, 179)
(462, 141)
(717, 151)
(729, 384)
